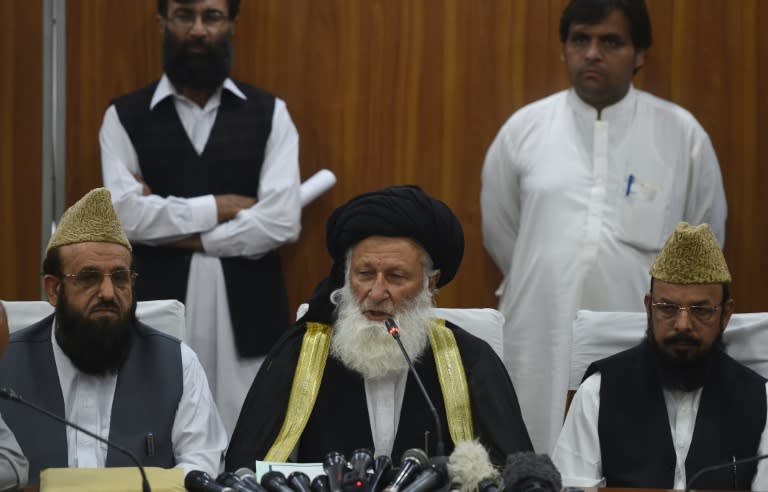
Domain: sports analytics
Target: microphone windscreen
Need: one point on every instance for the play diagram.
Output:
(525, 467)
(469, 464)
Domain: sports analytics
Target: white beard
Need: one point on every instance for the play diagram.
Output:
(366, 346)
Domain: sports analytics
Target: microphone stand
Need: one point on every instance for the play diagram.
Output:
(720, 466)
(9, 394)
(394, 330)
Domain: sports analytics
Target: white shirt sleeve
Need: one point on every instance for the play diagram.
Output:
(500, 202)
(13, 465)
(276, 218)
(577, 451)
(760, 482)
(149, 219)
(706, 201)
(198, 434)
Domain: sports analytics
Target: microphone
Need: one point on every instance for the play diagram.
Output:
(432, 477)
(320, 484)
(299, 482)
(360, 461)
(231, 480)
(733, 464)
(413, 461)
(199, 481)
(382, 472)
(249, 478)
(470, 468)
(394, 330)
(9, 394)
(274, 481)
(530, 472)
(334, 465)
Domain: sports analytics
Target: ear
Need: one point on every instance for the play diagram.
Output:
(728, 308)
(433, 280)
(639, 60)
(51, 285)
(160, 22)
(647, 301)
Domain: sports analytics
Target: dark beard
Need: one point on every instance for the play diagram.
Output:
(96, 347)
(682, 373)
(204, 71)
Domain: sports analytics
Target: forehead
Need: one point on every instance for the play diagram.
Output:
(615, 23)
(387, 252)
(102, 256)
(200, 5)
(687, 293)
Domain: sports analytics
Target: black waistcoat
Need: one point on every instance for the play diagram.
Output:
(230, 163)
(635, 439)
(147, 394)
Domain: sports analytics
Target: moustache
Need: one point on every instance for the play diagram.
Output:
(682, 338)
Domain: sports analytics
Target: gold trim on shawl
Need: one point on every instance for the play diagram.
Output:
(304, 389)
(453, 381)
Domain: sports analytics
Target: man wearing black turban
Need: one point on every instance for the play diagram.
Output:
(337, 380)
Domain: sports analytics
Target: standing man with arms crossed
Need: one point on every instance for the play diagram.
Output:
(205, 178)
(582, 188)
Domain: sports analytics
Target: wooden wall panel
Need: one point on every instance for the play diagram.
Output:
(397, 91)
(20, 147)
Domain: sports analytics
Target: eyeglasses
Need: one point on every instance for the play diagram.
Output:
(90, 279)
(183, 20)
(667, 310)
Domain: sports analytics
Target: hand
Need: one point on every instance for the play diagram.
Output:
(229, 205)
(145, 189)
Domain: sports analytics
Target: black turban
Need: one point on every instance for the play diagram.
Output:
(397, 211)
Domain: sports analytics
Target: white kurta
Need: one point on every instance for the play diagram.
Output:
(577, 452)
(198, 435)
(568, 230)
(273, 221)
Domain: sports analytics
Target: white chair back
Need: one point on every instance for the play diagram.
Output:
(597, 335)
(164, 315)
(484, 323)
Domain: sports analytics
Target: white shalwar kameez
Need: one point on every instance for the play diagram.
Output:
(575, 207)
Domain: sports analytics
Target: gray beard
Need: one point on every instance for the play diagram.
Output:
(366, 346)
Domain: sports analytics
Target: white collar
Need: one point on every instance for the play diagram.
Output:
(166, 89)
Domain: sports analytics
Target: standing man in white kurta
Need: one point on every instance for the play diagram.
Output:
(580, 189)
(204, 176)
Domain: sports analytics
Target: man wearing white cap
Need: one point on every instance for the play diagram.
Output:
(654, 415)
(95, 364)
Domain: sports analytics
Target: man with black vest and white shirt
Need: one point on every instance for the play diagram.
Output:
(654, 415)
(204, 176)
(93, 363)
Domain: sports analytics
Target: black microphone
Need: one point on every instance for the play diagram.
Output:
(299, 482)
(274, 481)
(432, 477)
(531, 472)
(335, 465)
(733, 464)
(231, 480)
(360, 461)
(394, 330)
(249, 478)
(320, 484)
(9, 394)
(199, 481)
(413, 461)
(382, 473)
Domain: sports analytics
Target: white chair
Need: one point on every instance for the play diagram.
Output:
(485, 323)
(164, 315)
(600, 334)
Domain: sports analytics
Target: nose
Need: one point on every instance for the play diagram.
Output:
(683, 321)
(198, 28)
(593, 50)
(379, 291)
(106, 288)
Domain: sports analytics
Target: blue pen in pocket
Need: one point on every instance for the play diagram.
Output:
(630, 180)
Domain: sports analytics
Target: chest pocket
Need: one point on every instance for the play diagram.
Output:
(644, 210)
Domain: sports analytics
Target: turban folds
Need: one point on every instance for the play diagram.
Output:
(399, 211)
